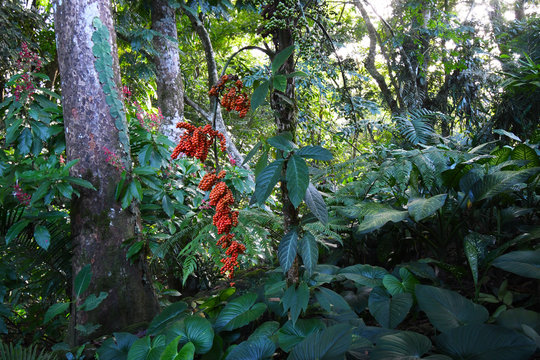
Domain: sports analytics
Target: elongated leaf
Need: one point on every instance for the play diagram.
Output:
(167, 205)
(281, 142)
(316, 204)
(366, 275)
(93, 301)
(500, 182)
(447, 309)
(475, 246)
(260, 348)
(239, 312)
(267, 179)
(329, 344)
(389, 311)
(252, 152)
(170, 313)
(524, 152)
(171, 350)
(15, 230)
(281, 57)
(507, 133)
(287, 250)
(297, 179)
(525, 263)
(309, 251)
(401, 346)
(315, 152)
(266, 329)
(485, 342)
(82, 280)
(378, 219)
(42, 236)
(421, 208)
(280, 82)
(259, 95)
(55, 309)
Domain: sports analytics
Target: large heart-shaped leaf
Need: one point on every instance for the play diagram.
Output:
(267, 179)
(297, 179)
(421, 208)
(515, 318)
(260, 348)
(389, 311)
(329, 344)
(287, 250)
(116, 348)
(524, 262)
(485, 342)
(144, 349)
(290, 335)
(239, 312)
(447, 309)
(396, 286)
(194, 329)
(366, 275)
(400, 346)
(169, 314)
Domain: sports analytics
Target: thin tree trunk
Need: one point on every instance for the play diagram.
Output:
(170, 88)
(99, 225)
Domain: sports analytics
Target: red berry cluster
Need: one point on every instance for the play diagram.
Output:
(196, 141)
(28, 61)
(233, 98)
(21, 196)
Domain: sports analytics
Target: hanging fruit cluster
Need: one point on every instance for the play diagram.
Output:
(233, 97)
(196, 143)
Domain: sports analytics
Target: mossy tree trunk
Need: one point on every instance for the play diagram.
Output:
(94, 120)
(170, 89)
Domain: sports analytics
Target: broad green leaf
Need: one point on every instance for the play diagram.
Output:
(366, 275)
(169, 314)
(171, 350)
(524, 262)
(281, 58)
(315, 152)
(329, 344)
(281, 142)
(93, 301)
(297, 179)
(15, 230)
(524, 152)
(134, 249)
(25, 141)
(82, 280)
(80, 182)
(144, 349)
(42, 236)
(267, 179)
(41, 191)
(396, 286)
(290, 335)
(500, 182)
(331, 301)
(194, 329)
(296, 299)
(252, 152)
(309, 251)
(116, 348)
(316, 204)
(401, 346)
(421, 208)
(475, 246)
(167, 205)
(297, 74)
(389, 311)
(447, 309)
(187, 352)
(239, 312)
(262, 163)
(260, 348)
(144, 170)
(507, 133)
(287, 250)
(485, 342)
(55, 309)
(515, 318)
(266, 329)
(377, 219)
(279, 82)
(259, 95)
(500, 155)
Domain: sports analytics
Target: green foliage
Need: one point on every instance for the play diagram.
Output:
(10, 352)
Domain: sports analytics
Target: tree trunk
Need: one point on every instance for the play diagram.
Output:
(94, 120)
(285, 117)
(170, 88)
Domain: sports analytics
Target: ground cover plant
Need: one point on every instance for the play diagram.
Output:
(269, 180)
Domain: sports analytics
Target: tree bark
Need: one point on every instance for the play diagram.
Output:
(99, 225)
(170, 89)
